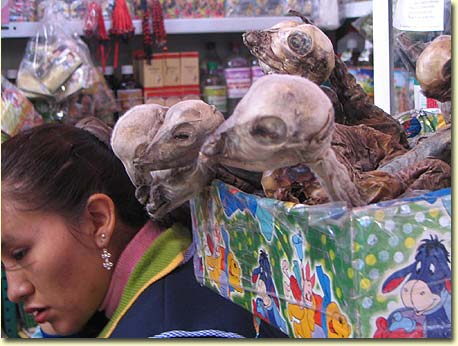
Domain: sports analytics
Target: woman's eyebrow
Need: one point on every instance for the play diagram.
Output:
(7, 240)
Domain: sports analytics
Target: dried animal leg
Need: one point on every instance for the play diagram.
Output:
(438, 145)
(428, 174)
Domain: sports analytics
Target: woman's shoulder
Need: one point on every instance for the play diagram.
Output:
(178, 306)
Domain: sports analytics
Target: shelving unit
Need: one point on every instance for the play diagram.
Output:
(190, 25)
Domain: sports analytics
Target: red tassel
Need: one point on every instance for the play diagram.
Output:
(121, 27)
(158, 26)
(122, 21)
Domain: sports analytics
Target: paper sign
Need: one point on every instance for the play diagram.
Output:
(419, 15)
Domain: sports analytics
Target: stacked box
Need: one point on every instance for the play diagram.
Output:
(169, 78)
(328, 271)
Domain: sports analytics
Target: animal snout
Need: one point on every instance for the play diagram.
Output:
(251, 38)
(213, 146)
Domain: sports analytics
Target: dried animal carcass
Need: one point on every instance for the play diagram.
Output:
(162, 156)
(132, 132)
(282, 121)
(177, 143)
(434, 69)
(290, 47)
(301, 49)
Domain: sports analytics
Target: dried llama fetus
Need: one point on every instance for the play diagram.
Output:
(292, 48)
(282, 121)
(134, 130)
(280, 50)
(177, 143)
(434, 69)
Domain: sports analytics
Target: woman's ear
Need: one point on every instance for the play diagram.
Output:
(101, 213)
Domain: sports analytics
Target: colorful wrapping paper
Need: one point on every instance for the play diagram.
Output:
(320, 271)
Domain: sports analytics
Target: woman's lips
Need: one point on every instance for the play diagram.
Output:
(40, 314)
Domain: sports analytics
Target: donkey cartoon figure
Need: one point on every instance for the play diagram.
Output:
(426, 295)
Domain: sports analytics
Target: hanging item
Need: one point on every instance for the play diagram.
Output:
(160, 36)
(147, 38)
(122, 26)
(94, 26)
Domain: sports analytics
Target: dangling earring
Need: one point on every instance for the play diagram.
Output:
(107, 264)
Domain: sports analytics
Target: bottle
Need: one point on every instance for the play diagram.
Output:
(11, 75)
(214, 88)
(366, 58)
(256, 70)
(238, 77)
(350, 54)
(110, 78)
(210, 55)
(129, 92)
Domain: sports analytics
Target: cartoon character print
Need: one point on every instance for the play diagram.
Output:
(266, 305)
(311, 315)
(426, 295)
(223, 268)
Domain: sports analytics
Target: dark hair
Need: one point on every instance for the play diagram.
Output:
(56, 167)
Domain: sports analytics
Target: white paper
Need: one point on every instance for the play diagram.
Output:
(419, 15)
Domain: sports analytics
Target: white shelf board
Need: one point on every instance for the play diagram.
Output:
(191, 25)
(172, 26)
(357, 9)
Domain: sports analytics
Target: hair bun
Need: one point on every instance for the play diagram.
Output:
(97, 128)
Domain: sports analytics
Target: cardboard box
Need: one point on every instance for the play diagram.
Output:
(168, 96)
(189, 68)
(150, 75)
(328, 271)
(171, 69)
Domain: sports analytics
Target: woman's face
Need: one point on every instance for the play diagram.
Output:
(56, 272)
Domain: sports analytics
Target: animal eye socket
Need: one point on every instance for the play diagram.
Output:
(269, 130)
(184, 133)
(300, 42)
(181, 136)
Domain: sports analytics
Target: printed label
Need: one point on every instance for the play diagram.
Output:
(238, 81)
(129, 98)
(217, 96)
(256, 73)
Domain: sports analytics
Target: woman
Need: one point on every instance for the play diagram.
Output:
(81, 254)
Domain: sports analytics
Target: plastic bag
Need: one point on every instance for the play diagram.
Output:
(58, 72)
(18, 112)
(55, 64)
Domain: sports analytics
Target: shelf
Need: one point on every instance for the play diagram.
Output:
(172, 26)
(357, 9)
(190, 25)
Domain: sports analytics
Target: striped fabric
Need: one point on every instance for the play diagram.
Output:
(208, 333)
(189, 253)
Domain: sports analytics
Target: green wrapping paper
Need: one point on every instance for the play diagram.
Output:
(328, 271)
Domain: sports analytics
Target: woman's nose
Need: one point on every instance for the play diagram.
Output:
(19, 287)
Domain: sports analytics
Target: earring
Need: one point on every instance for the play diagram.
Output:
(107, 264)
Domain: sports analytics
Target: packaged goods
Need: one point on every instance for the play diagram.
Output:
(18, 112)
(58, 74)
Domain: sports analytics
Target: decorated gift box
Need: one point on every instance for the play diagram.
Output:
(328, 271)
